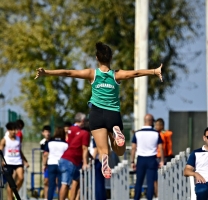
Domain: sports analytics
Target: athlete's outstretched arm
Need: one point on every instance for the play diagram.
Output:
(127, 74)
(83, 74)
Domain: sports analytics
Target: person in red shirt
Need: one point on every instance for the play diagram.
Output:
(20, 125)
(74, 156)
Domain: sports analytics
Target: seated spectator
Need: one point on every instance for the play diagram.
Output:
(197, 166)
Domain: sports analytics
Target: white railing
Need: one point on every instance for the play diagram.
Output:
(172, 185)
(119, 182)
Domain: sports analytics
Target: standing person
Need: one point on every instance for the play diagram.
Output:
(144, 144)
(166, 137)
(46, 132)
(75, 155)
(100, 191)
(105, 118)
(20, 125)
(197, 166)
(11, 146)
(66, 129)
(54, 149)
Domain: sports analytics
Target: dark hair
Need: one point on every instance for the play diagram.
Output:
(59, 133)
(46, 128)
(205, 131)
(103, 53)
(68, 124)
(20, 124)
(161, 121)
(11, 126)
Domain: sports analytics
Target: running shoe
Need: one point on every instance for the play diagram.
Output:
(119, 137)
(106, 170)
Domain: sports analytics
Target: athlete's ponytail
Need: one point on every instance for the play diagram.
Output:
(103, 53)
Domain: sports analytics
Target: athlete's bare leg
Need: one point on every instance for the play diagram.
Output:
(19, 177)
(101, 139)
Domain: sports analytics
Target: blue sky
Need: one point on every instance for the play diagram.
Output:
(189, 91)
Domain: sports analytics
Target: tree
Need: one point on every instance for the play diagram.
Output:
(41, 34)
(62, 34)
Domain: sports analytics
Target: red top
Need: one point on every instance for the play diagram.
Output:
(20, 135)
(76, 139)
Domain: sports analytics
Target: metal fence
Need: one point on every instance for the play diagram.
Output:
(119, 181)
(172, 185)
(23, 189)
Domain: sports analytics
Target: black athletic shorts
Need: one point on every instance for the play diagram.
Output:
(12, 168)
(102, 118)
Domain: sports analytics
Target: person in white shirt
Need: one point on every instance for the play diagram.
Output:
(11, 146)
(144, 144)
(54, 149)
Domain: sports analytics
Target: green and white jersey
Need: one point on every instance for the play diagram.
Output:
(105, 90)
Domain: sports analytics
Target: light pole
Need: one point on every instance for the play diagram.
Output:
(2, 98)
(141, 61)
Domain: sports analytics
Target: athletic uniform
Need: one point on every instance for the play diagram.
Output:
(12, 153)
(105, 103)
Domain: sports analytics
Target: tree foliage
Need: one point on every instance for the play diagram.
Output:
(56, 34)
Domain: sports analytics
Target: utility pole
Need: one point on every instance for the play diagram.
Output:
(141, 61)
(206, 22)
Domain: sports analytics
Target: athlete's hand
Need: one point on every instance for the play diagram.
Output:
(158, 72)
(26, 164)
(40, 72)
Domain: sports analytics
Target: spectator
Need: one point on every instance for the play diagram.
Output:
(145, 143)
(166, 137)
(46, 132)
(20, 125)
(197, 166)
(66, 129)
(100, 191)
(54, 149)
(76, 153)
(11, 146)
